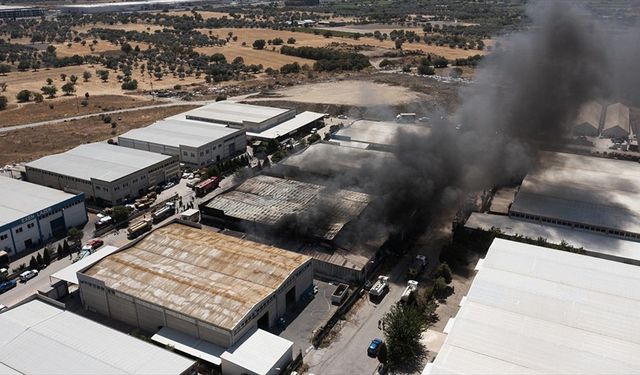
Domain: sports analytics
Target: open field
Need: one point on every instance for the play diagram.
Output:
(267, 58)
(36, 112)
(33, 81)
(370, 28)
(119, 26)
(62, 50)
(204, 14)
(32, 143)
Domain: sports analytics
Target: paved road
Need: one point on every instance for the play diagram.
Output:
(24, 290)
(347, 353)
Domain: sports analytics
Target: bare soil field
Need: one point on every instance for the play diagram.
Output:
(119, 26)
(33, 81)
(371, 27)
(350, 92)
(67, 107)
(266, 57)
(204, 14)
(62, 50)
(32, 143)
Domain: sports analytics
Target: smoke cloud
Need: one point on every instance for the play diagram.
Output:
(525, 94)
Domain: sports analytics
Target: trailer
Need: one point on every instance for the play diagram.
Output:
(205, 187)
(406, 117)
(412, 286)
(164, 212)
(138, 228)
(340, 294)
(191, 215)
(417, 266)
(380, 287)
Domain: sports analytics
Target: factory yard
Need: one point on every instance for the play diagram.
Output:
(32, 143)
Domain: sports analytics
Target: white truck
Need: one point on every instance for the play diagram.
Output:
(164, 212)
(191, 214)
(412, 286)
(380, 287)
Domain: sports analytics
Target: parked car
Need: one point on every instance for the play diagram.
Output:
(169, 185)
(3, 307)
(7, 285)
(27, 275)
(93, 244)
(342, 117)
(374, 347)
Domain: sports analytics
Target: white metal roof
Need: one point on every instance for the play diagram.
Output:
(376, 132)
(176, 133)
(330, 158)
(69, 273)
(190, 345)
(593, 243)
(583, 189)
(19, 199)
(288, 127)
(258, 352)
(235, 113)
(535, 310)
(40, 338)
(99, 161)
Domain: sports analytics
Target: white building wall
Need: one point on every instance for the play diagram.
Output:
(24, 232)
(45, 224)
(5, 241)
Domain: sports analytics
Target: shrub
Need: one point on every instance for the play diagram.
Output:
(3, 102)
(23, 96)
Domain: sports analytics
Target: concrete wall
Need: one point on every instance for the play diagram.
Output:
(60, 182)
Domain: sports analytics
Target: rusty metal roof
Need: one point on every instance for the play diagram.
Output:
(203, 274)
(268, 200)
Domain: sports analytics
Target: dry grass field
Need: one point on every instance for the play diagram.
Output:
(32, 143)
(66, 107)
(266, 57)
(62, 50)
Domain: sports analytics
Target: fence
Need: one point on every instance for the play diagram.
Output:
(346, 306)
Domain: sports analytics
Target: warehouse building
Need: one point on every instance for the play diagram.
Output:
(533, 310)
(267, 204)
(32, 214)
(13, 12)
(105, 173)
(616, 122)
(39, 336)
(588, 121)
(197, 144)
(260, 122)
(375, 135)
(582, 192)
(203, 284)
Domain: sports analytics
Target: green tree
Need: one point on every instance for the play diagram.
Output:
(23, 96)
(86, 76)
(291, 40)
(4, 69)
(440, 62)
(426, 70)
(73, 79)
(120, 214)
(40, 261)
(63, 77)
(277, 41)
(75, 234)
(46, 256)
(3, 102)
(259, 44)
(49, 81)
(37, 97)
(403, 328)
(60, 251)
(69, 88)
(444, 271)
(49, 91)
(33, 263)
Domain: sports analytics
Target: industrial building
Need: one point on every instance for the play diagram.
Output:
(20, 11)
(201, 284)
(260, 122)
(31, 214)
(616, 122)
(588, 121)
(39, 336)
(375, 135)
(197, 144)
(266, 204)
(105, 173)
(582, 192)
(533, 310)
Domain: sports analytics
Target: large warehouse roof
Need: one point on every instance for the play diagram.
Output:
(39, 337)
(203, 274)
(100, 161)
(258, 352)
(589, 115)
(376, 132)
(535, 310)
(582, 189)
(328, 158)
(288, 127)
(617, 116)
(234, 113)
(20, 199)
(269, 200)
(176, 133)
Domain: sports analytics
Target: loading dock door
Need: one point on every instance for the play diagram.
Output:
(290, 299)
(263, 322)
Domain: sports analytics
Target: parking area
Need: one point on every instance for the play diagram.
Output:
(303, 323)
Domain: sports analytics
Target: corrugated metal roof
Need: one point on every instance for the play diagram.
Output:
(176, 133)
(590, 114)
(69, 273)
(583, 189)
(288, 127)
(203, 274)
(258, 352)
(535, 310)
(269, 200)
(617, 116)
(377, 132)
(20, 199)
(232, 112)
(329, 158)
(39, 338)
(99, 161)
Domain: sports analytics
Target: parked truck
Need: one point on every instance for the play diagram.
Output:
(138, 228)
(406, 117)
(412, 286)
(164, 212)
(203, 188)
(417, 266)
(380, 287)
(191, 214)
